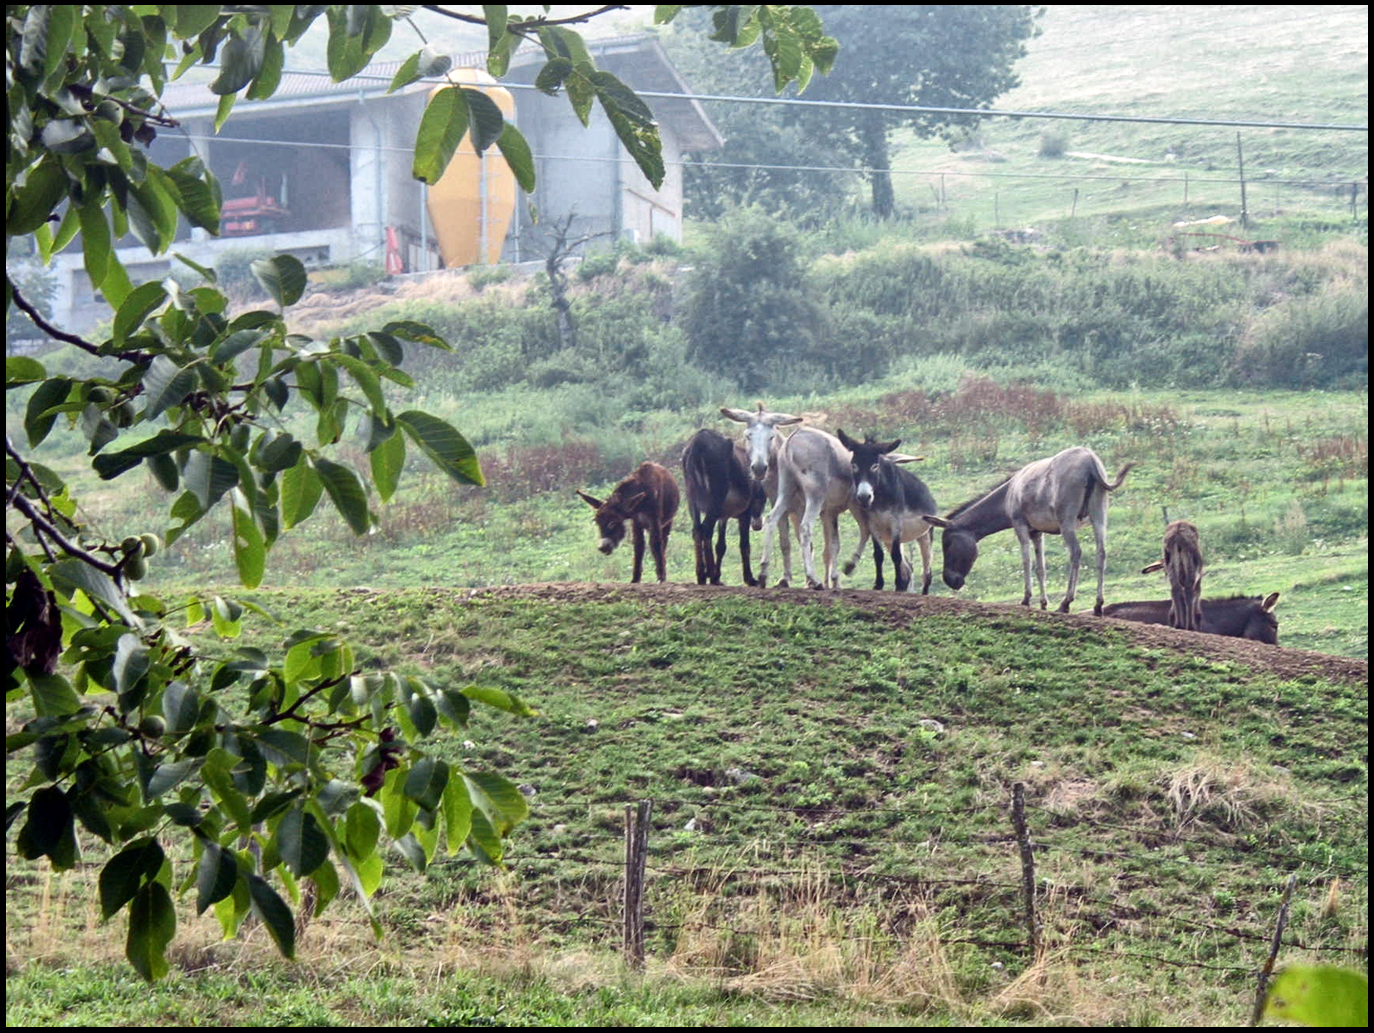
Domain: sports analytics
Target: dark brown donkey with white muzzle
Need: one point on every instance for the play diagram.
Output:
(648, 498)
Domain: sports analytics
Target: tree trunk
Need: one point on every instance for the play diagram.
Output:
(874, 135)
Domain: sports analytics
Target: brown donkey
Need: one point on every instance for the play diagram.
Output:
(648, 498)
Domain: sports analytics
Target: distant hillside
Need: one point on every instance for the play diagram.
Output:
(1253, 63)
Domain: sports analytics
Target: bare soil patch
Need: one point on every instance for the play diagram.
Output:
(902, 610)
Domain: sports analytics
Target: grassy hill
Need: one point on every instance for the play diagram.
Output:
(1252, 63)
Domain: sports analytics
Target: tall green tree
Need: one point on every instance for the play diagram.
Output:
(931, 55)
(271, 771)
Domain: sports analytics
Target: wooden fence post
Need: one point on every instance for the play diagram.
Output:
(1240, 164)
(1268, 968)
(1018, 821)
(636, 851)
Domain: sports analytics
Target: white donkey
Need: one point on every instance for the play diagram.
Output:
(763, 441)
(1048, 496)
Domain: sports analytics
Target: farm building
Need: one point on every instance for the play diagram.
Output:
(322, 171)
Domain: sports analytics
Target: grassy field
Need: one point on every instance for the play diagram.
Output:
(830, 834)
(1125, 182)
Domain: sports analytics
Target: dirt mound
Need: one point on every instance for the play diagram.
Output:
(904, 609)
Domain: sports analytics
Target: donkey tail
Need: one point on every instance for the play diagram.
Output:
(1120, 477)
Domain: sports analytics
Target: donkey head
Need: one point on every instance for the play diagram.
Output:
(610, 517)
(760, 434)
(866, 464)
(960, 548)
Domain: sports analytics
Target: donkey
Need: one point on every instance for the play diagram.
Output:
(814, 481)
(716, 473)
(648, 498)
(892, 508)
(1240, 616)
(1183, 563)
(762, 442)
(1048, 496)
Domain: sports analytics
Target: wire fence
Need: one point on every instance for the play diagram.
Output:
(777, 888)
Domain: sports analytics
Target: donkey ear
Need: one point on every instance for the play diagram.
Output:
(780, 419)
(902, 457)
(1156, 565)
(937, 521)
(885, 449)
(845, 439)
(633, 502)
(738, 415)
(595, 503)
(1270, 603)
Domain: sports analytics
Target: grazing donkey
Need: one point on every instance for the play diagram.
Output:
(648, 498)
(1048, 496)
(715, 471)
(892, 507)
(814, 481)
(1183, 563)
(1240, 616)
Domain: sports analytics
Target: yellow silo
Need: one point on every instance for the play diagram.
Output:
(472, 204)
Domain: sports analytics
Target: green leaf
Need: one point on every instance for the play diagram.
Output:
(53, 695)
(44, 187)
(282, 277)
(424, 64)
(180, 706)
(47, 826)
(516, 151)
(131, 663)
(20, 369)
(301, 843)
(38, 420)
(457, 814)
(362, 828)
(388, 459)
(152, 925)
(168, 776)
(499, 798)
(301, 488)
(124, 873)
(216, 875)
(441, 129)
(95, 238)
(500, 699)
(1319, 995)
(111, 464)
(426, 782)
(448, 449)
(250, 551)
(346, 492)
(240, 61)
(134, 310)
(485, 119)
(74, 574)
(208, 477)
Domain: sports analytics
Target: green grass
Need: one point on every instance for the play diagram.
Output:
(813, 839)
(1270, 64)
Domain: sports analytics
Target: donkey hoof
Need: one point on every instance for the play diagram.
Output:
(848, 569)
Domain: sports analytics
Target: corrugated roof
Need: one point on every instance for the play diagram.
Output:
(192, 100)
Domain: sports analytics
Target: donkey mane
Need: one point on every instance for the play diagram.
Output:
(957, 510)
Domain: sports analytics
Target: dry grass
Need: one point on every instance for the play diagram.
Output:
(1227, 795)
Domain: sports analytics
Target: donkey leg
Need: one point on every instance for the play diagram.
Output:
(1038, 540)
(923, 542)
(899, 562)
(1100, 536)
(749, 578)
(1075, 559)
(639, 554)
(658, 542)
(807, 539)
(877, 565)
(721, 527)
(1023, 536)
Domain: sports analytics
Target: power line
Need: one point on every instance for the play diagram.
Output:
(1338, 181)
(912, 108)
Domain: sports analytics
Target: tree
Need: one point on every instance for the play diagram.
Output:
(935, 55)
(273, 771)
(932, 55)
